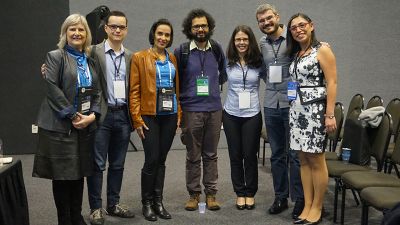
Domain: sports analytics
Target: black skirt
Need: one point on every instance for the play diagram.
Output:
(63, 156)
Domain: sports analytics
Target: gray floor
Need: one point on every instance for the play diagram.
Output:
(42, 210)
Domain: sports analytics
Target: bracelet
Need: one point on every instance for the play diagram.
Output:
(329, 116)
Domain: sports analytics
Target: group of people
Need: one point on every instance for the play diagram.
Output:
(96, 95)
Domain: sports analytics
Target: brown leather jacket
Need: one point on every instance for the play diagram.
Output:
(142, 90)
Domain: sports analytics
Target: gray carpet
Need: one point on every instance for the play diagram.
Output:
(42, 209)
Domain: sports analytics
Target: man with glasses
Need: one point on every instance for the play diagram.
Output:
(113, 135)
(200, 63)
(285, 165)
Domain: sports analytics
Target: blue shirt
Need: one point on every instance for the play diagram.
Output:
(165, 76)
(116, 70)
(237, 85)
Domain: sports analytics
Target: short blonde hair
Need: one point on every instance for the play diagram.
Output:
(265, 7)
(71, 20)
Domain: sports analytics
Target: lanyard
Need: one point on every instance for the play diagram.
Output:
(115, 64)
(297, 60)
(86, 79)
(244, 75)
(202, 58)
(273, 49)
(170, 73)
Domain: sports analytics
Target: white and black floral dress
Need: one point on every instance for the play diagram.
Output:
(307, 122)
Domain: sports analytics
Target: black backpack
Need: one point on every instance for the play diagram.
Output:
(217, 51)
(96, 23)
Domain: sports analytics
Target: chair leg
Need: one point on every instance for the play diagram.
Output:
(343, 204)
(364, 214)
(397, 170)
(355, 197)
(335, 201)
(263, 161)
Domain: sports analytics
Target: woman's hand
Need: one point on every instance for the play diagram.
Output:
(82, 121)
(140, 132)
(330, 124)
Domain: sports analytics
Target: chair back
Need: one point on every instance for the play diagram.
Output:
(357, 101)
(379, 139)
(393, 108)
(374, 101)
(339, 116)
(396, 151)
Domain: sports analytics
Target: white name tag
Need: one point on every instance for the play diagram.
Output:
(275, 74)
(119, 89)
(85, 106)
(244, 100)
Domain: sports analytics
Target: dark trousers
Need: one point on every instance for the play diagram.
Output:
(200, 134)
(156, 144)
(285, 165)
(112, 139)
(243, 138)
(68, 196)
(158, 140)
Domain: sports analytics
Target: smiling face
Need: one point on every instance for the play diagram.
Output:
(301, 30)
(241, 43)
(76, 36)
(162, 37)
(200, 29)
(268, 22)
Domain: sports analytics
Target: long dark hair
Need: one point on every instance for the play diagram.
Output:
(152, 32)
(253, 57)
(293, 45)
(196, 13)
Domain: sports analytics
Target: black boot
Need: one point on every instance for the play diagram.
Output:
(158, 195)
(147, 197)
(61, 198)
(76, 196)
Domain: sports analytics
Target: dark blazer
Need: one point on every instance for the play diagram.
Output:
(61, 79)
(98, 54)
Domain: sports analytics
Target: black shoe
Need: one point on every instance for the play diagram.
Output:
(120, 211)
(278, 206)
(297, 209)
(161, 212)
(148, 211)
(299, 221)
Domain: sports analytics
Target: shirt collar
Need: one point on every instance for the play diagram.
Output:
(108, 48)
(194, 46)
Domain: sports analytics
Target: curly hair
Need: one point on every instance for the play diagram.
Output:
(253, 55)
(153, 29)
(195, 13)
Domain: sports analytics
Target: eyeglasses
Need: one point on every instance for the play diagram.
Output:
(198, 26)
(114, 27)
(302, 26)
(268, 18)
(238, 40)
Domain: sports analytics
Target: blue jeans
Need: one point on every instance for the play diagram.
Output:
(112, 139)
(285, 165)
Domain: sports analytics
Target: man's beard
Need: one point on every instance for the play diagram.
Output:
(202, 39)
(275, 26)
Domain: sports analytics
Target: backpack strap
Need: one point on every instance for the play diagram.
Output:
(184, 54)
(217, 51)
